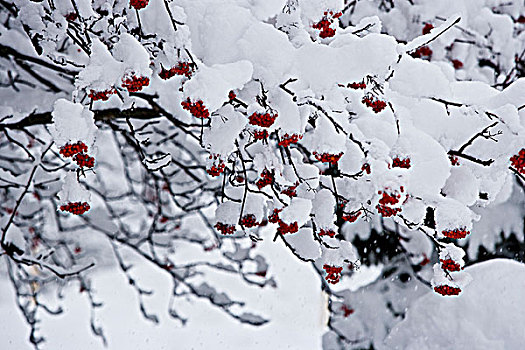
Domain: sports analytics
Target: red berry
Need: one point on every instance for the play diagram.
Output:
(197, 109)
(138, 4)
(328, 157)
(263, 120)
(398, 163)
(333, 273)
(456, 234)
(225, 229)
(457, 64)
(427, 28)
(450, 265)
(447, 290)
(182, 68)
(518, 161)
(329, 233)
(76, 208)
(134, 83)
(101, 95)
(265, 180)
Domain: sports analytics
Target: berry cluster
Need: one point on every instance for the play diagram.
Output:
(135, 83)
(265, 180)
(427, 28)
(352, 217)
(450, 265)
(376, 105)
(69, 150)
(83, 160)
(333, 273)
(71, 17)
(225, 229)
(274, 217)
(447, 290)
(324, 24)
(101, 95)
(398, 163)
(328, 157)
(518, 161)
(216, 169)
(454, 160)
(232, 96)
(366, 168)
(77, 208)
(290, 191)
(197, 109)
(260, 134)
(285, 228)
(423, 51)
(329, 233)
(456, 234)
(182, 68)
(248, 221)
(263, 120)
(457, 64)
(387, 200)
(138, 4)
(356, 86)
(287, 140)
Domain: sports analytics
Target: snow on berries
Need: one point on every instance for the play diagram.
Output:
(138, 4)
(446, 290)
(422, 52)
(134, 83)
(197, 109)
(456, 233)
(401, 163)
(263, 120)
(290, 191)
(182, 68)
(217, 166)
(225, 229)
(328, 157)
(457, 64)
(333, 273)
(287, 140)
(427, 28)
(324, 25)
(76, 208)
(376, 105)
(101, 95)
(518, 161)
(266, 179)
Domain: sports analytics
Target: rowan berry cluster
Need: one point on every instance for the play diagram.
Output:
(329, 233)
(454, 160)
(447, 290)
(232, 96)
(182, 68)
(69, 150)
(290, 191)
(518, 161)
(216, 169)
(328, 157)
(351, 217)
(83, 160)
(265, 180)
(76, 208)
(138, 4)
(398, 163)
(456, 234)
(366, 168)
(333, 273)
(376, 105)
(71, 17)
(249, 220)
(324, 24)
(457, 64)
(225, 229)
(387, 200)
(260, 134)
(101, 95)
(274, 217)
(285, 228)
(427, 28)
(135, 83)
(263, 120)
(197, 109)
(450, 265)
(356, 86)
(287, 140)
(423, 51)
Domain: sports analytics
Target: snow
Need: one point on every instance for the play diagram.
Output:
(72, 122)
(489, 314)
